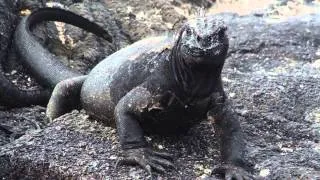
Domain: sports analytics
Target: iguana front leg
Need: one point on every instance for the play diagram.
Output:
(127, 113)
(227, 126)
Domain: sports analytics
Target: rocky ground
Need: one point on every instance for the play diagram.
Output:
(272, 75)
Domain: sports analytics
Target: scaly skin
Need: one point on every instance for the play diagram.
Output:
(43, 65)
(161, 85)
(11, 95)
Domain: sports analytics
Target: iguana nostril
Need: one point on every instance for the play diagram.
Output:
(209, 39)
(223, 28)
(198, 38)
(205, 41)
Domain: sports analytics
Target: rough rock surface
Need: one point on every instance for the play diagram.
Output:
(7, 18)
(78, 49)
(142, 18)
(83, 50)
(272, 76)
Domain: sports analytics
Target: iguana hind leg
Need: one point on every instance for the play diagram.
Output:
(65, 97)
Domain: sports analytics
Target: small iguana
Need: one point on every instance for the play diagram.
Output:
(161, 84)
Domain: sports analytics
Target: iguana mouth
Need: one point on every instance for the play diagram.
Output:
(199, 52)
(195, 51)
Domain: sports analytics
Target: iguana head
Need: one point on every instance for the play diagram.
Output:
(198, 56)
(203, 40)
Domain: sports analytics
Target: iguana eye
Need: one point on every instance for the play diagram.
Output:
(188, 31)
(209, 39)
(198, 38)
(224, 28)
(222, 31)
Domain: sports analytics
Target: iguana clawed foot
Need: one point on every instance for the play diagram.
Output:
(147, 159)
(231, 172)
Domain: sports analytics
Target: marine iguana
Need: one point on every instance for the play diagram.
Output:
(157, 85)
(160, 85)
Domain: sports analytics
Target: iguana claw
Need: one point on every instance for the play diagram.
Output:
(147, 159)
(231, 172)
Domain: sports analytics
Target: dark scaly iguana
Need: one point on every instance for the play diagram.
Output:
(157, 85)
(34, 55)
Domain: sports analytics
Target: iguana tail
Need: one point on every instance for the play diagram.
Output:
(47, 68)
(10, 95)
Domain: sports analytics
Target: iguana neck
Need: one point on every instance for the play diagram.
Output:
(193, 82)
